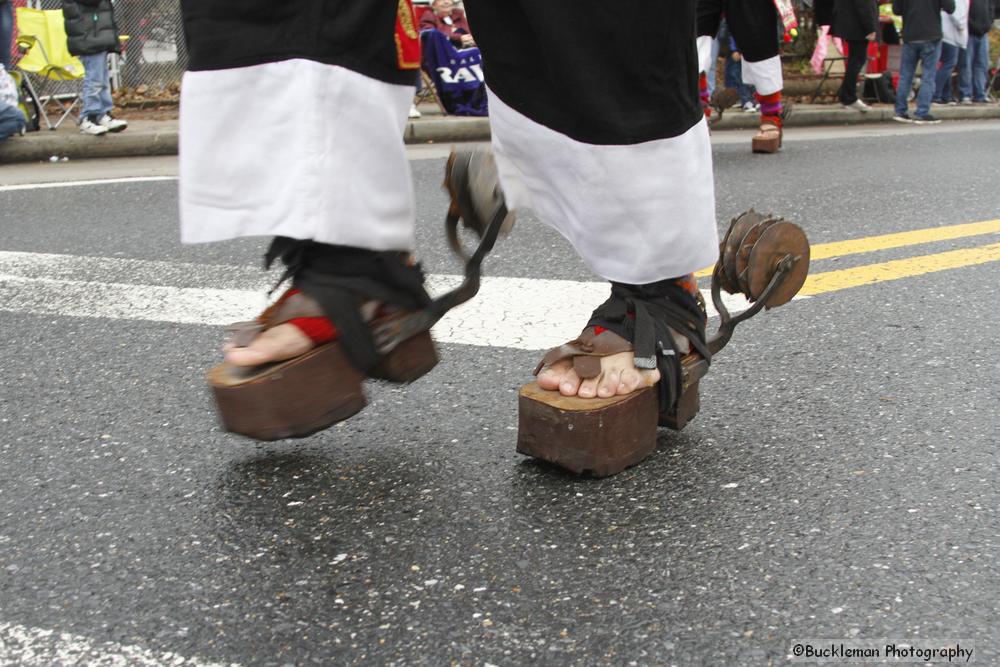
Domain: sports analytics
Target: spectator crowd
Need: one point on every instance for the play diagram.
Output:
(946, 40)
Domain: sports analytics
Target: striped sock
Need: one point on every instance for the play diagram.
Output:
(770, 108)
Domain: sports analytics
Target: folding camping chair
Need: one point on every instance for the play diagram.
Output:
(428, 92)
(46, 58)
(828, 74)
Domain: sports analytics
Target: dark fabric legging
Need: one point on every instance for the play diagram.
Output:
(857, 55)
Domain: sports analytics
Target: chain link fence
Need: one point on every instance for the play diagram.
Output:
(154, 56)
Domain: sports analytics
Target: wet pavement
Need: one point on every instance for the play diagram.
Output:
(839, 482)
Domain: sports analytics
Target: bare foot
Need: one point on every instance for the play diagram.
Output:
(618, 377)
(282, 342)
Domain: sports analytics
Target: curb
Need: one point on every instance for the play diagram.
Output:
(41, 145)
(148, 141)
(738, 120)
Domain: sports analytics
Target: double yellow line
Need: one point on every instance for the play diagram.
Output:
(868, 274)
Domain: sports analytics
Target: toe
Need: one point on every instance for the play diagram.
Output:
(551, 377)
(609, 384)
(633, 380)
(570, 384)
(277, 344)
(588, 387)
(629, 381)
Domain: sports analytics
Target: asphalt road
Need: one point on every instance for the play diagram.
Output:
(841, 481)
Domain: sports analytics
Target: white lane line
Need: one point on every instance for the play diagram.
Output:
(73, 184)
(36, 647)
(519, 313)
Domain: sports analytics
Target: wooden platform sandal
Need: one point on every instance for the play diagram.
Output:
(771, 135)
(768, 139)
(366, 312)
(763, 257)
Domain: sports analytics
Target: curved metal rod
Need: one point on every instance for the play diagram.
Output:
(393, 332)
(727, 323)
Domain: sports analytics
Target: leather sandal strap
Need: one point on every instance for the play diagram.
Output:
(290, 306)
(648, 316)
(338, 280)
(586, 352)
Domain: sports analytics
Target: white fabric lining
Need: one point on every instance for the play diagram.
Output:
(635, 214)
(704, 53)
(764, 75)
(295, 148)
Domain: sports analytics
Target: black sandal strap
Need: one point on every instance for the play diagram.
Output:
(646, 315)
(341, 279)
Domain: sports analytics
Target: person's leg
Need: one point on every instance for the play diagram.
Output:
(11, 121)
(94, 73)
(945, 68)
(585, 157)
(6, 33)
(104, 96)
(979, 54)
(907, 70)
(766, 77)
(754, 24)
(709, 23)
(930, 54)
(335, 184)
(734, 79)
(857, 56)
(964, 68)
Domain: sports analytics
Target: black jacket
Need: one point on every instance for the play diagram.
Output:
(823, 12)
(854, 20)
(922, 18)
(90, 27)
(981, 14)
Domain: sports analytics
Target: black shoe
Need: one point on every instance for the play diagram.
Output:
(926, 119)
(902, 118)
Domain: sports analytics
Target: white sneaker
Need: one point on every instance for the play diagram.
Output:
(858, 105)
(87, 126)
(113, 124)
(414, 112)
(749, 107)
(966, 100)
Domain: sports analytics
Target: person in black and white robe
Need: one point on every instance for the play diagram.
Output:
(293, 113)
(756, 29)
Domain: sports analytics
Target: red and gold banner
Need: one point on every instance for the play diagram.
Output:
(407, 36)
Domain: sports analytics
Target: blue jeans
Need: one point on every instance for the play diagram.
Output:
(951, 56)
(927, 54)
(6, 33)
(978, 53)
(964, 75)
(734, 79)
(11, 121)
(96, 86)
